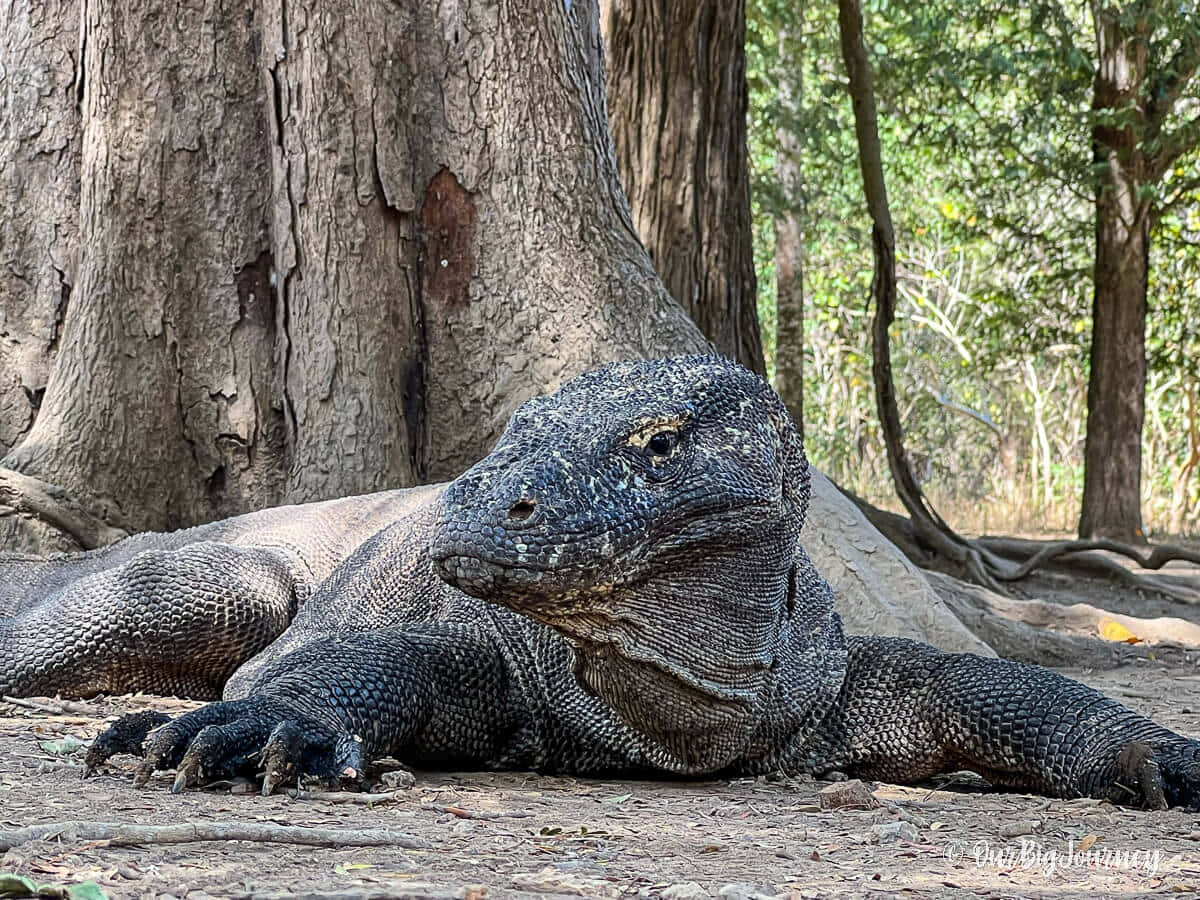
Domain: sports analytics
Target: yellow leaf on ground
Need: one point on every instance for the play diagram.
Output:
(1112, 630)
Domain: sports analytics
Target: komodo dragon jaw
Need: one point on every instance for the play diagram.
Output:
(633, 514)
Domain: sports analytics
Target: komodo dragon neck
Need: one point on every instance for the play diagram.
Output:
(740, 679)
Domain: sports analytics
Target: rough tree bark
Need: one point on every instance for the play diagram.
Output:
(402, 221)
(1116, 398)
(157, 412)
(677, 106)
(1148, 55)
(40, 84)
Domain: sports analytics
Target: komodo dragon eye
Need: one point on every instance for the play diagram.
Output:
(657, 442)
(662, 443)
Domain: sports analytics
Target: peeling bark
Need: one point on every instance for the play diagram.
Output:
(155, 415)
(40, 62)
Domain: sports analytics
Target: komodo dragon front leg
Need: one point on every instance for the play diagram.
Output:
(436, 691)
(907, 711)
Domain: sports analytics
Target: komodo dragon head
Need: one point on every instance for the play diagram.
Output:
(649, 512)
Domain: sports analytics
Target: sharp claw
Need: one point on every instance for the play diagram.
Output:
(280, 755)
(1137, 765)
(1152, 785)
(151, 763)
(182, 777)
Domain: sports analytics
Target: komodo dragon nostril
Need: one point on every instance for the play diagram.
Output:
(521, 510)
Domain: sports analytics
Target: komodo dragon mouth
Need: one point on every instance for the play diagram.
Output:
(494, 565)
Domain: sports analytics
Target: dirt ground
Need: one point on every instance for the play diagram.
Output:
(521, 834)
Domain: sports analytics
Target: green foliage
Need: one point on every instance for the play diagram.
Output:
(986, 121)
(19, 886)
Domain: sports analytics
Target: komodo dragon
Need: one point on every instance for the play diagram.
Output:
(616, 588)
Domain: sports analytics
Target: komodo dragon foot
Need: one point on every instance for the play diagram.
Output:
(240, 737)
(326, 710)
(1158, 778)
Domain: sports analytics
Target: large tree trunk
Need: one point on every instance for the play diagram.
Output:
(677, 105)
(330, 247)
(157, 414)
(1112, 492)
(41, 66)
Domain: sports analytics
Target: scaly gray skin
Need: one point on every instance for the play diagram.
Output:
(617, 588)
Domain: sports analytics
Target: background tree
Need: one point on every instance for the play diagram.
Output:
(1147, 53)
(986, 128)
(789, 238)
(677, 99)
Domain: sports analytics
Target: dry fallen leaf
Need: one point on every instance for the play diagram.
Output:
(1111, 630)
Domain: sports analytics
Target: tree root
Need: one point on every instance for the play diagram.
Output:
(28, 496)
(1053, 634)
(1157, 557)
(120, 834)
(1008, 559)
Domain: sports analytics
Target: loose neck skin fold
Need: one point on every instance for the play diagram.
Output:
(703, 658)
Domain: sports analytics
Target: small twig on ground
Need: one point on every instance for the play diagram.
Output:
(120, 834)
(64, 708)
(346, 796)
(474, 813)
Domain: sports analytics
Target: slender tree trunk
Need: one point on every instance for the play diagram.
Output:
(789, 248)
(677, 102)
(1112, 495)
(789, 334)
(929, 527)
